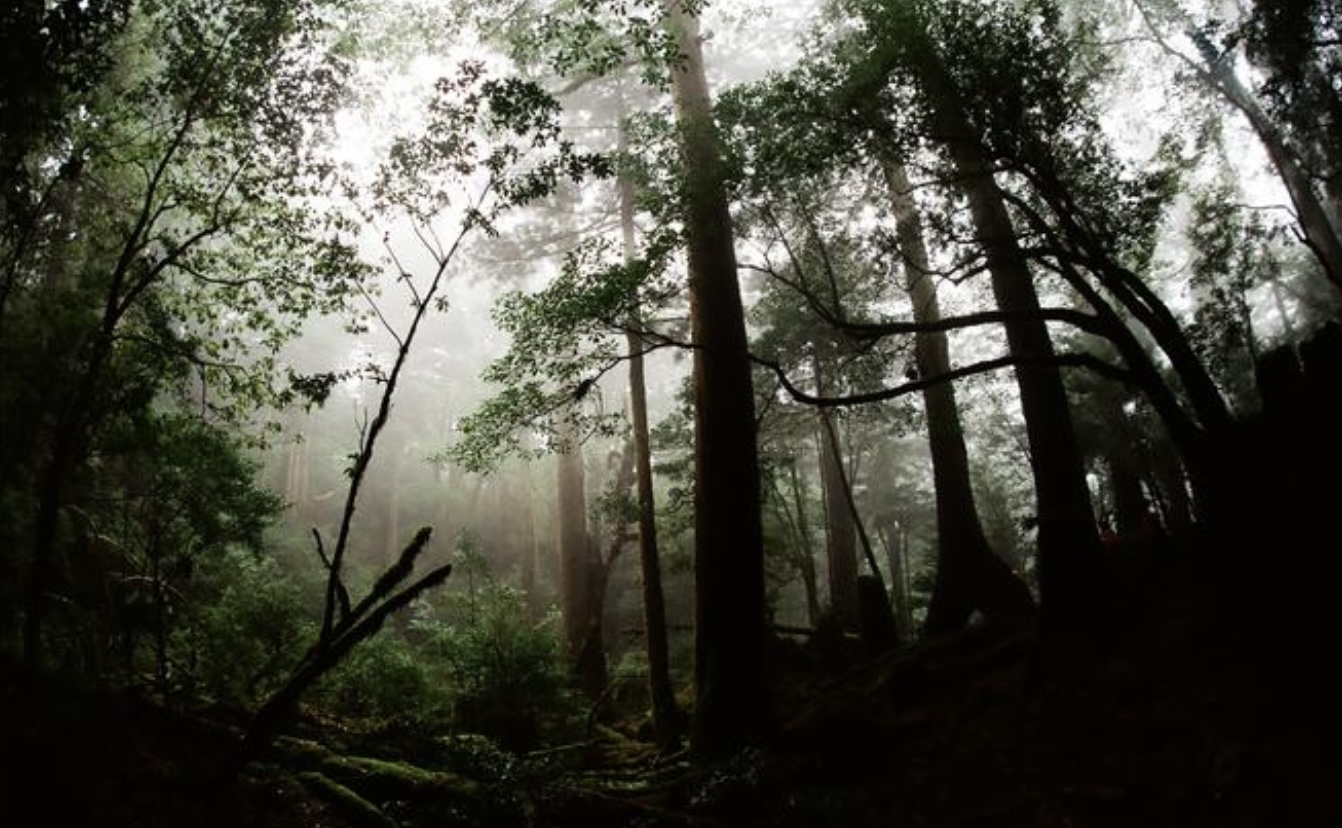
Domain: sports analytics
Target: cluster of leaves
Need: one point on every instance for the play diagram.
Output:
(178, 218)
(478, 124)
(469, 659)
(593, 38)
(672, 442)
(386, 682)
(1232, 254)
(248, 623)
(564, 339)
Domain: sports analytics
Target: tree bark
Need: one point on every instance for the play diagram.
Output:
(731, 708)
(970, 575)
(806, 559)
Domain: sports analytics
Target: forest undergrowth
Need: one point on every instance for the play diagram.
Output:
(1180, 717)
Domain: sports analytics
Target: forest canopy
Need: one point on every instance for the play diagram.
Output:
(455, 380)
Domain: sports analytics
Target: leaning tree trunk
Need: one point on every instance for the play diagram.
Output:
(731, 705)
(665, 718)
(1321, 236)
(970, 575)
(1067, 536)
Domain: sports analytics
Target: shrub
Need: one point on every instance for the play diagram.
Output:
(386, 681)
(245, 641)
(505, 670)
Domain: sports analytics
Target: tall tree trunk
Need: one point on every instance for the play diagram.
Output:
(1067, 535)
(970, 575)
(591, 659)
(796, 517)
(70, 448)
(525, 541)
(840, 532)
(1122, 462)
(895, 540)
(298, 479)
(807, 559)
(575, 555)
(1320, 234)
(665, 718)
(1131, 509)
(732, 708)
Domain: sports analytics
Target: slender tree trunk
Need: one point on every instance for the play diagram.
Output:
(893, 539)
(969, 574)
(50, 499)
(161, 673)
(298, 480)
(665, 718)
(70, 446)
(1321, 235)
(790, 509)
(840, 533)
(876, 622)
(69, 450)
(806, 558)
(732, 707)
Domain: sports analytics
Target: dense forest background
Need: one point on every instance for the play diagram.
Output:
(665, 413)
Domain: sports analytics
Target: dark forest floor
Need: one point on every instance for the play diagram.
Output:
(1176, 719)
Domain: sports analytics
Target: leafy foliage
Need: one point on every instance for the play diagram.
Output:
(1295, 42)
(388, 681)
(588, 38)
(1232, 255)
(564, 338)
(508, 677)
(247, 629)
(163, 240)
